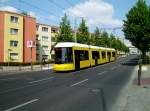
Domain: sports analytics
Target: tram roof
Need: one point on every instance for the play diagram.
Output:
(71, 44)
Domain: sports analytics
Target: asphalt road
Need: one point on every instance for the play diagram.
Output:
(92, 89)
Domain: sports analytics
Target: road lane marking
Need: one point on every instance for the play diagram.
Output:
(113, 68)
(102, 72)
(8, 79)
(41, 80)
(79, 82)
(15, 89)
(21, 105)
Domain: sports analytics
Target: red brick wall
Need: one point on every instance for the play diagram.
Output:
(1, 36)
(29, 34)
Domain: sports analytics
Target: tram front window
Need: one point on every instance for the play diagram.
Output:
(63, 55)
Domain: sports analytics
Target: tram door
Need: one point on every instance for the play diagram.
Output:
(96, 61)
(77, 60)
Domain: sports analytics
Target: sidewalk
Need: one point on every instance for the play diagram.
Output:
(15, 69)
(134, 97)
(138, 98)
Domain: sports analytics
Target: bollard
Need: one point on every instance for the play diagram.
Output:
(139, 72)
(139, 77)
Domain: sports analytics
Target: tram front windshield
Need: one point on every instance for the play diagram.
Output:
(63, 55)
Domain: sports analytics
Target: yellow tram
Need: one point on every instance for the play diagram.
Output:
(74, 56)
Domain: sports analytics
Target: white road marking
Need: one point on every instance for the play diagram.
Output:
(79, 82)
(21, 105)
(102, 72)
(113, 68)
(9, 90)
(41, 80)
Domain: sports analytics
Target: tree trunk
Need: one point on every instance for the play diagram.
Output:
(143, 56)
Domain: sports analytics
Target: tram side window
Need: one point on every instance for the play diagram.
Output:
(113, 54)
(108, 54)
(95, 55)
(103, 55)
(84, 55)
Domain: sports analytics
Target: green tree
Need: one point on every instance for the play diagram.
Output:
(105, 41)
(137, 26)
(97, 37)
(83, 33)
(65, 33)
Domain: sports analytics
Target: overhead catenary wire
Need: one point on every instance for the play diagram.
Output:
(21, 10)
(57, 5)
(40, 9)
(70, 3)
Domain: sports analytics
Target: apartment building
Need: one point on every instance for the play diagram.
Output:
(54, 33)
(43, 42)
(15, 30)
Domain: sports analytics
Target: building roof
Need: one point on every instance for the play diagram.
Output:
(43, 24)
(15, 13)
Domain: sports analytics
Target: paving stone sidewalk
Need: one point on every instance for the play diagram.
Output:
(134, 97)
(138, 97)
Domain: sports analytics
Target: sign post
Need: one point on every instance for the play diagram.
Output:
(31, 44)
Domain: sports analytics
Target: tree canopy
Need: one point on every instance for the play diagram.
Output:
(83, 35)
(97, 38)
(137, 26)
(65, 34)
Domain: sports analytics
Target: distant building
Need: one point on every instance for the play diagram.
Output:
(15, 30)
(133, 50)
(54, 33)
(43, 42)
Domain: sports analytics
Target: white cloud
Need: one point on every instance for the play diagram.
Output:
(97, 13)
(9, 8)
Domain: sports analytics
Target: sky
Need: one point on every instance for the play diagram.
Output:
(104, 14)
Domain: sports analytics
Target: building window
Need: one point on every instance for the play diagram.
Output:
(13, 56)
(53, 31)
(37, 37)
(44, 29)
(13, 43)
(37, 27)
(14, 19)
(44, 38)
(13, 31)
(45, 47)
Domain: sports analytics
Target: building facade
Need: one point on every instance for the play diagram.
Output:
(29, 53)
(11, 37)
(54, 32)
(14, 31)
(43, 42)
